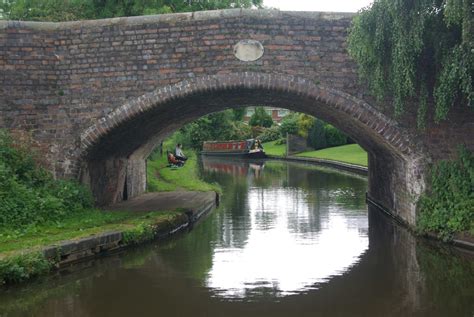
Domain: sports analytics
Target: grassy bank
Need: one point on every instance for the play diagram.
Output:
(160, 177)
(85, 224)
(271, 148)
(21, 258)
(351, 153)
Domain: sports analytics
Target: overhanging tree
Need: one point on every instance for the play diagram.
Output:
(416, 50)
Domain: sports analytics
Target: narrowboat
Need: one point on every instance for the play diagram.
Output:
(244, 148)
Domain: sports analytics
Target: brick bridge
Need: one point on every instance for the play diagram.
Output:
(96, 96)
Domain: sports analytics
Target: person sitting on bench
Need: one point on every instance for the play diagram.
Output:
(178, 153)
(173, 161)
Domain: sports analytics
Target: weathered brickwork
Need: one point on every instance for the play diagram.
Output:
(96, 96)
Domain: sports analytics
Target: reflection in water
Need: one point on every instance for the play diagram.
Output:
(288, 240)
(296, 236)
(278, 255)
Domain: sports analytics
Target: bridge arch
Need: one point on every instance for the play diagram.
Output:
(115, 148)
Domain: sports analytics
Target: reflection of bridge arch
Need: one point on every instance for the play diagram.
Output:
(127, 134)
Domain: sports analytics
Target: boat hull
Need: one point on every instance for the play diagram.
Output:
(252, 155)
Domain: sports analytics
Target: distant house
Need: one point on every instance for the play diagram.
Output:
(276, 113)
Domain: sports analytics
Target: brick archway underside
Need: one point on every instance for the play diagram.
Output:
(112, 147)
(133, 124)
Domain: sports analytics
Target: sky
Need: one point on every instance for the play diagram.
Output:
(317, 5)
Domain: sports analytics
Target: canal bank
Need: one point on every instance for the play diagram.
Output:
(155, 216)
(358, 169)
(287, 236)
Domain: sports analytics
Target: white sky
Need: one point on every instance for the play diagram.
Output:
(317, 5)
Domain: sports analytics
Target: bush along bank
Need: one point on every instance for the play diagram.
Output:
(447, 209)
(29, 194)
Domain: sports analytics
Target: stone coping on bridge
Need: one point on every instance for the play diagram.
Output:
(177, 17)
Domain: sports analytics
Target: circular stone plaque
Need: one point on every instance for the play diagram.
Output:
(248, 50)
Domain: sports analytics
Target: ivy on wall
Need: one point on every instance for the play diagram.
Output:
(416, 50)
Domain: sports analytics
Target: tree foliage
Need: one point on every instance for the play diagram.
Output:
(261, 118)
(289, 124)
(415, 50)
(317, 135)
(68, 10)
(270, 134)
(219, 126)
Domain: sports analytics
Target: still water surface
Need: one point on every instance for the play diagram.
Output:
(288, 240)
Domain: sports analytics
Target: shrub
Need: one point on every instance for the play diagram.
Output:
(23, 267)
(270, 134)
(280, 141)
(305, 122)
(29, 194)
(323, 135)
(289, 124)
(449, 206)
(317, 135)
(334, 137)
(261, 118)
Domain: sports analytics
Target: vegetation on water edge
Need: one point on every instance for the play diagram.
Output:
(448, 207)
(351, 153)
(150, 224)
(22, 267)
(160, 177)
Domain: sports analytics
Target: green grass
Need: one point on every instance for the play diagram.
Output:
(21, 256)
(77, 226)
(160, 177)
(274, 149)
(351, 153)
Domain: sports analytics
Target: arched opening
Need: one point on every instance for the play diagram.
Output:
(115, 149)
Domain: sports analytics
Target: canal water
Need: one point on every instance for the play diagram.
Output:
(288, 239)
